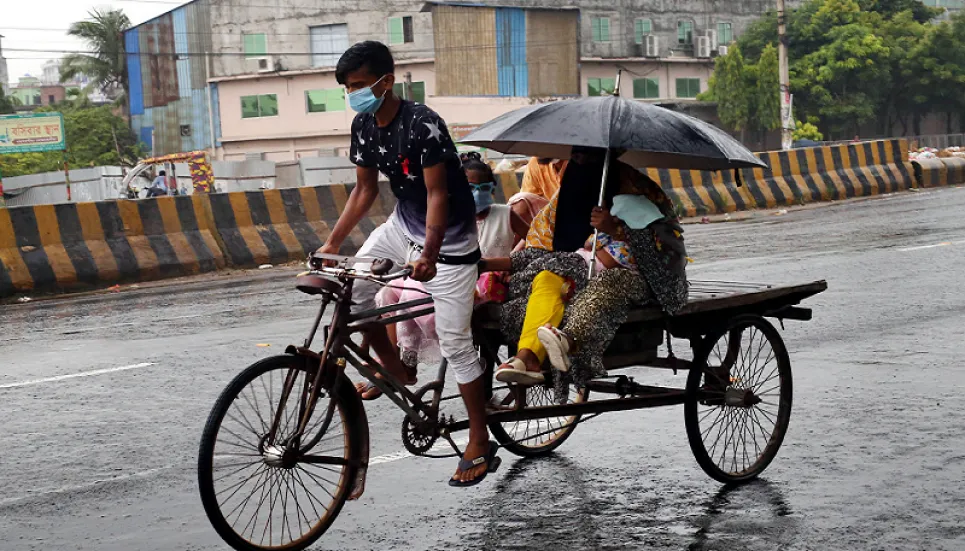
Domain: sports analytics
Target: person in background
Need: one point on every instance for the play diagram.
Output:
(159, 186)
(543, 176)
(541, 181)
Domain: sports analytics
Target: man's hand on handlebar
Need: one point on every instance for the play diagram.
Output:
(423, 269)
(328, 249)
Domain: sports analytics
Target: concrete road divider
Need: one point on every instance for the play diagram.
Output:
(930, 173)
(77, 245)
(81, 245)
(955, 170)
(793, 177)
(282, 225)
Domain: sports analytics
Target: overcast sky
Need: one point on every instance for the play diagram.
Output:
(57, 15)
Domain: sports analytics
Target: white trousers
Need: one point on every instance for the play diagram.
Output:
(452, 293)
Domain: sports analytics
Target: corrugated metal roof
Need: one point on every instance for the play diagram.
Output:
(429, 5)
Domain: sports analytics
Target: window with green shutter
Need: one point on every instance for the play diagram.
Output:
(264, 105)
(400, 30)
(256, 45)
(725, 33)
(646, 88)
(685, 32)
(688, 87)
(601, 29)
(601, 86)
(324, 101)
(418, 91)
(642, 28)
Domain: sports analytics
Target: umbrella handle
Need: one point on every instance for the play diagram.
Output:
(599, 203)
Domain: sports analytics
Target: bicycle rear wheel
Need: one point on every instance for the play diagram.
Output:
(535, 437)
(286, 495)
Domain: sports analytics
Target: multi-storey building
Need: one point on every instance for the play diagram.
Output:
(269, 67)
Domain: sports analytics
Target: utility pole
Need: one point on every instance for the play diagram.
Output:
(407, 86)
(787, 123)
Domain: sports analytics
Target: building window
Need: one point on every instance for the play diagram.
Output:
(688, 87)
(642, 28)
(646, 88)
(418, 91)
(601, 29)
(323, 101)
(400, 30)
(725, 33)
(256, 45)
(329, 42)
(685, 32)
(601, 86)
(51, 100)
(265, 105)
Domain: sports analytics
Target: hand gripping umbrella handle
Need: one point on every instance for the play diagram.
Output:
(599, 203)
(606, 174)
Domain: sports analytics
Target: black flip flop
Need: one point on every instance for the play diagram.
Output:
(492, 463)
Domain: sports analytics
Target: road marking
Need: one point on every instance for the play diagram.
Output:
(76, 375)
(923, 247)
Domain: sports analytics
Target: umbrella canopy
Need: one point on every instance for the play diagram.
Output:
(652, 136)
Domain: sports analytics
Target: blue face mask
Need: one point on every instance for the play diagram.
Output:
(364, 100)
(482, 194)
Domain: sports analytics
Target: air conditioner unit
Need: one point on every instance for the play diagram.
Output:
(703, 47)
(266, 65)
(639, 50)
(258, 65)
(653, 46)
(722, 50)
(712, 35)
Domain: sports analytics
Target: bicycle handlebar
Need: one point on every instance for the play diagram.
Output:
(377, 269)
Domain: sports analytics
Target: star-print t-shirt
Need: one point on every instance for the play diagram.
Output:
(417, 137)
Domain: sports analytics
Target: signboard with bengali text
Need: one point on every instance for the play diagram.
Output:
(31, 132)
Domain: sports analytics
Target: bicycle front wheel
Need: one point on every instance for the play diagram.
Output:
(285, 494)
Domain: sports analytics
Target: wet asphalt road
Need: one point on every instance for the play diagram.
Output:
(874, 457)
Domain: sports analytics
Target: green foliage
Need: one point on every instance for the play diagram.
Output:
(91, 133)
(807, 131)
(853, 62)
(767, 111)
(733, 105)
(7, 103)
(102, 34)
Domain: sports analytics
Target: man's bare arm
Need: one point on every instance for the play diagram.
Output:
(358, 205)
(437, 210)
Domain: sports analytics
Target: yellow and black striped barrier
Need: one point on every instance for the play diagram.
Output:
(955, 170)
(282, 225)
(793, 177)
(930, 172)
(76, 245)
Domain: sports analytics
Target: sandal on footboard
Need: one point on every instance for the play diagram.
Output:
(514, 371)
(490, 459)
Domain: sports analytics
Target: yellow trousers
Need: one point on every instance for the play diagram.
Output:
(545, 306)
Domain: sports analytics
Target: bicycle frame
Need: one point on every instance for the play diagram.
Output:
(340, 346)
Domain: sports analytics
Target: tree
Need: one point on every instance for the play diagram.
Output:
(733, 104)
(91, 133)
(942, 75)
(7, 103)
(767, 99)
(106, 64)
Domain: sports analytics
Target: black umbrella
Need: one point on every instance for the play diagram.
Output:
(649, 136)
(653, 137)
